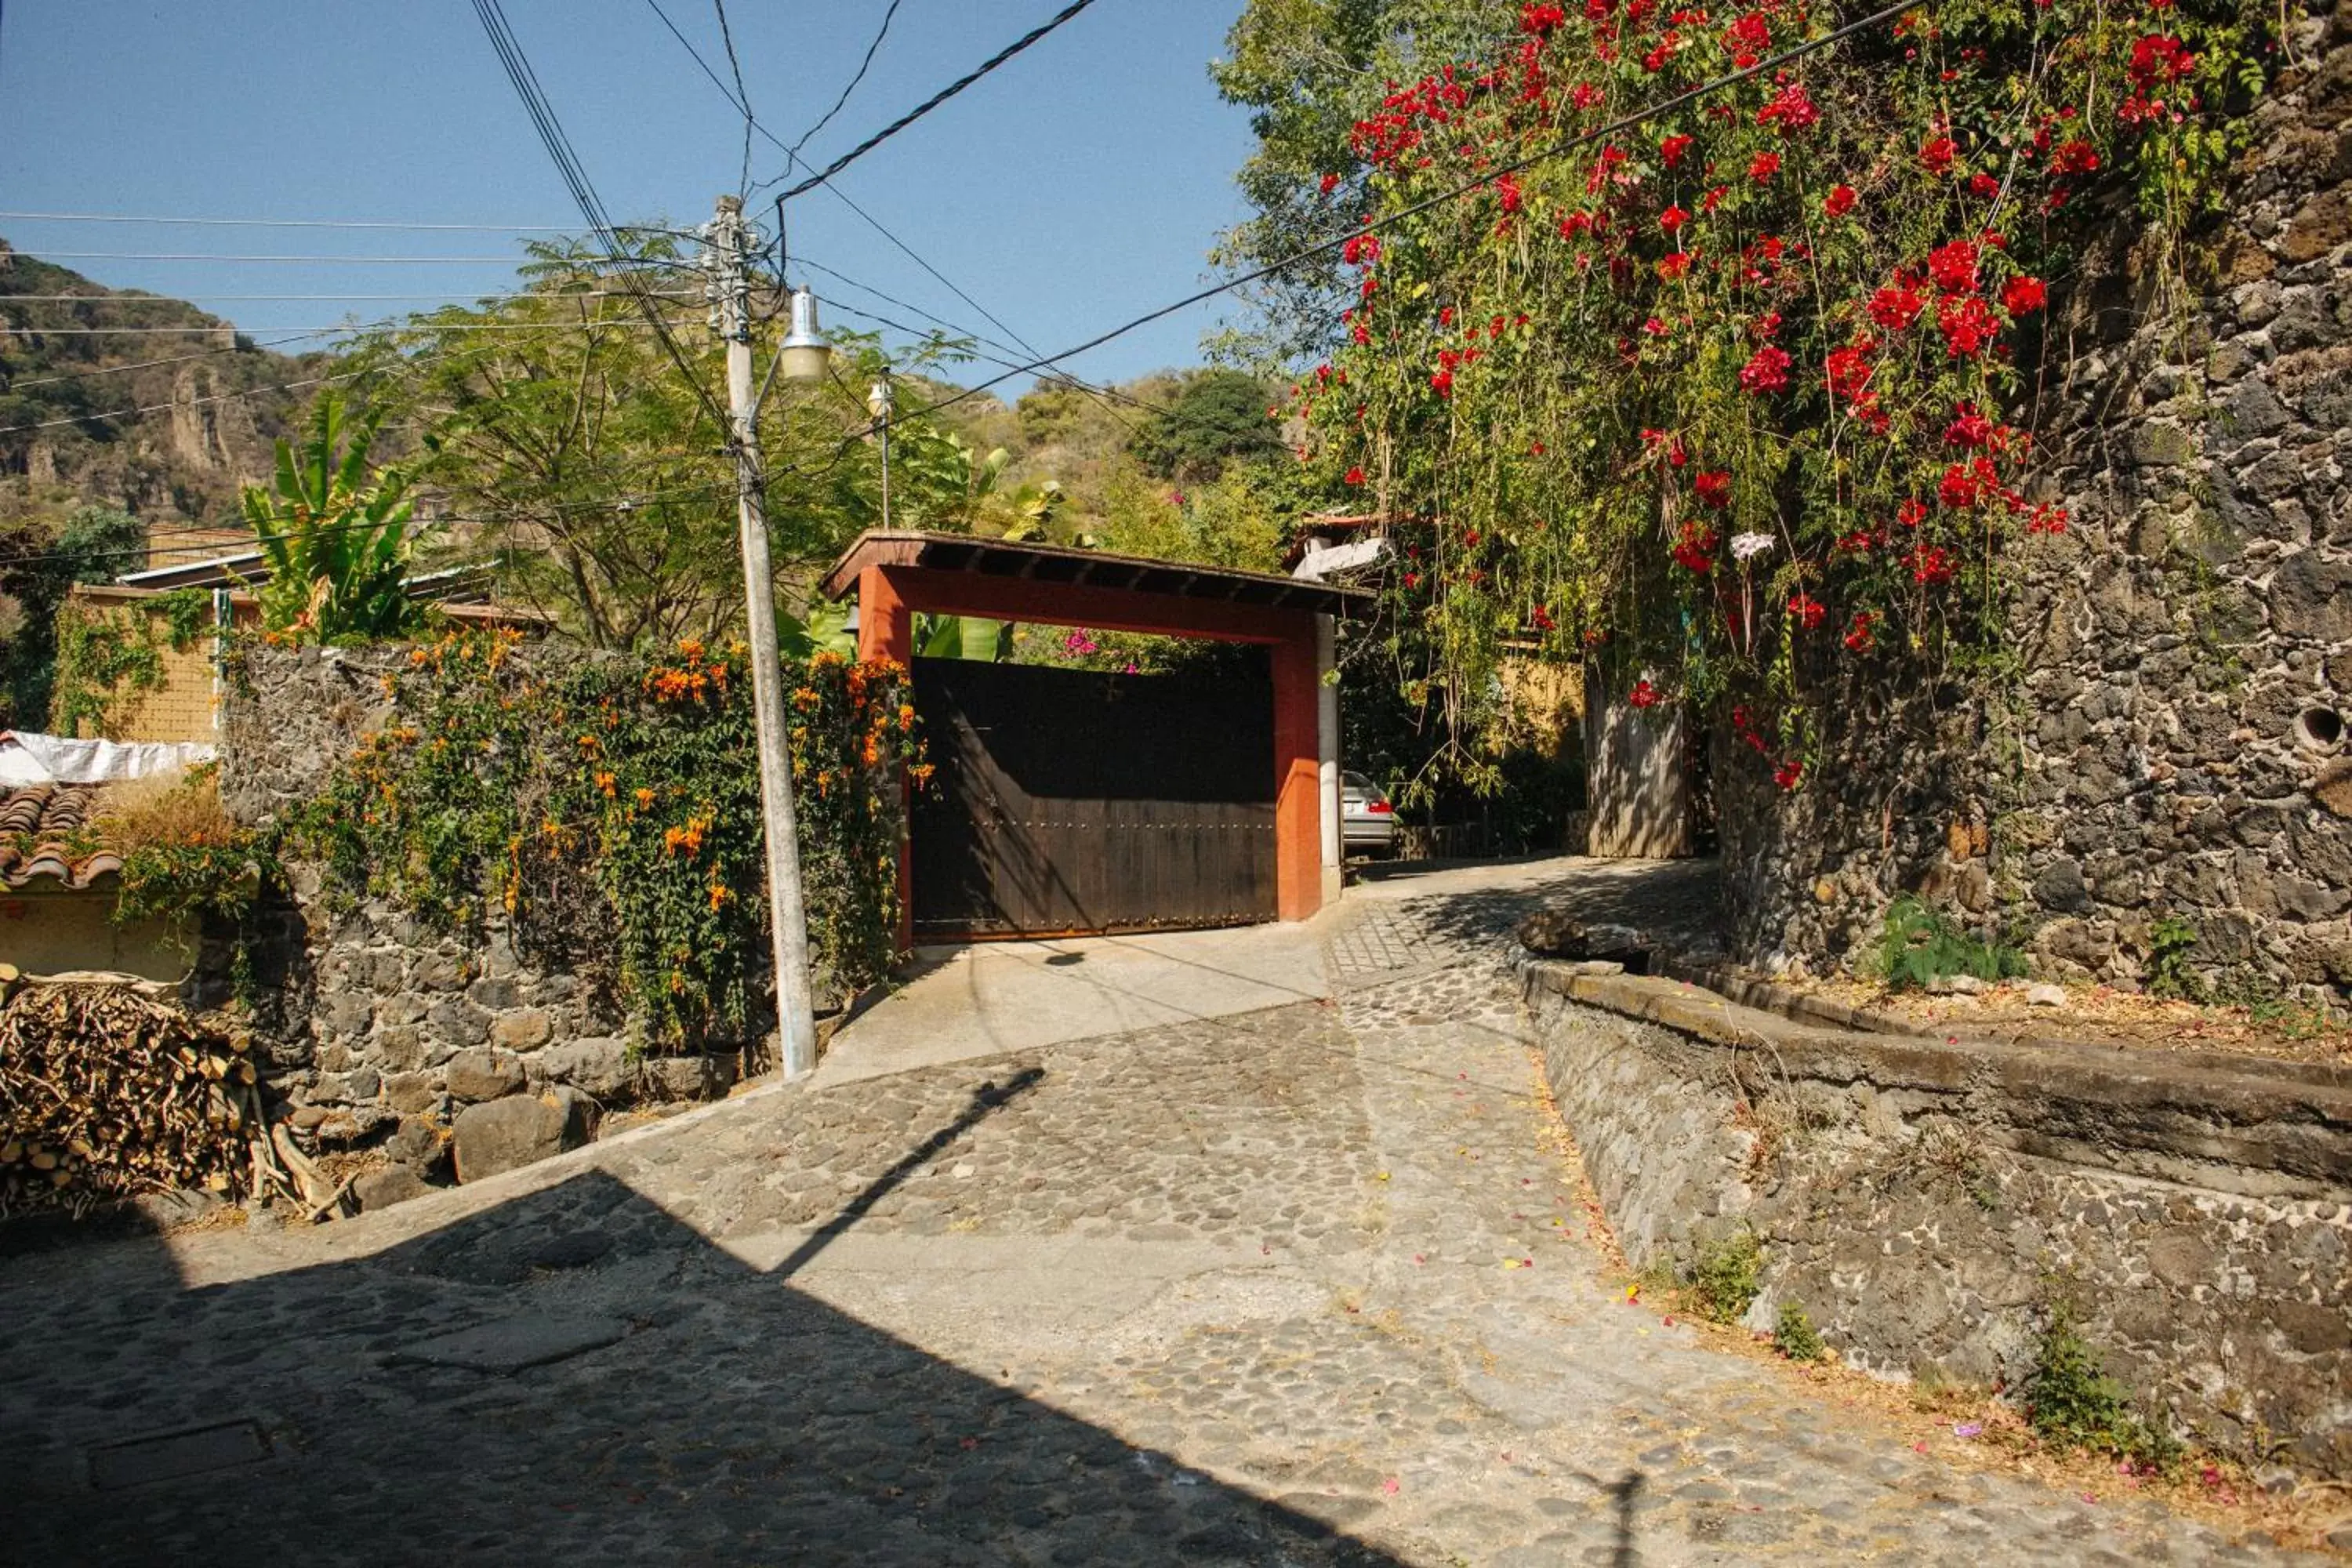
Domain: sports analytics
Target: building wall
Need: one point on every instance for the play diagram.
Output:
(46, 929)
(2176, 747)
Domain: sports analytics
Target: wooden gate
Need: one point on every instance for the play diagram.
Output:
(1068, 802)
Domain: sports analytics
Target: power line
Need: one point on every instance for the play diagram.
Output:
(153, 363)
(945, 93)
(421, 525)
(20, 328)
(183, 299)
(1309, 252)
(575, 178)
(290, 222)
(863, 67)
(226, 397)
(742, 95)
(215, 255)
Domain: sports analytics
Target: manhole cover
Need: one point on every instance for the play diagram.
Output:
(167, 1456)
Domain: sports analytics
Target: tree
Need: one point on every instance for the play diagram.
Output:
(335, 533)
(1216, 416)
(595, 480)
(40, 559)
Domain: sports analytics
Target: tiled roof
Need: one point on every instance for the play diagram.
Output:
(43, 832)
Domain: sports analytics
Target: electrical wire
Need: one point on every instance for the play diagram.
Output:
(421, 525)
(154, 363)
(226, 397)
(183, 299)
(20, 330)
(575, 178)
(214, 255)
(863, 67)
(289, 222)
(945, 93)
(742, 95)
(1319, 248)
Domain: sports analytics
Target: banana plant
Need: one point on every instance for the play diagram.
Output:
(335, 538)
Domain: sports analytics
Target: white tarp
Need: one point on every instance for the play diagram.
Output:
(30, 759)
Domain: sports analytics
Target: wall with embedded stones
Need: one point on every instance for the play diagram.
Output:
(2178, 744)
(1926, 1202)
(454, 1056)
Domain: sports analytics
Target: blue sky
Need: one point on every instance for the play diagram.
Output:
(1080, 185)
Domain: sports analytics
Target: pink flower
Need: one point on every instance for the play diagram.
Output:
(1714, 488)
(1673, 148)
(1643, 695)
(1839, 202)
(1331, 184)
(1763, 166)
(1787, 774)
(1936, 157)
(1355, 476)
(1673, 218)
(1674, 265)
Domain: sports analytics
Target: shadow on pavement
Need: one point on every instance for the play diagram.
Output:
(1678, 903)
(573, 1375)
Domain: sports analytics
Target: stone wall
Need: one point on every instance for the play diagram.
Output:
(1926, 1202)
(2177, 746)
(445, 1050)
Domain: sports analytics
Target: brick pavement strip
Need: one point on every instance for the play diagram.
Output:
(1233, 1291)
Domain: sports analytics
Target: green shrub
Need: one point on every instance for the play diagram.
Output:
(1919, 944)
(1794, 1336)
(2071, 1402)
(2170, 940)
(1726, 1275)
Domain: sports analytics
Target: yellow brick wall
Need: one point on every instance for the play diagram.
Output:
(182, 707)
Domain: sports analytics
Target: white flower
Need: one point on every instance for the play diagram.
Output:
(1748, 546)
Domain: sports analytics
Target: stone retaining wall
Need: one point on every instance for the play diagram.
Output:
(2179, 744)
(1926, 1200)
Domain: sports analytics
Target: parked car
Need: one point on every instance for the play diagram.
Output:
(1367, 819)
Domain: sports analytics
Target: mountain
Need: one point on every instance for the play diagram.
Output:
(180, 453)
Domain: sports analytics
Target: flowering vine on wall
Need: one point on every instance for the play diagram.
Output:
(617, 799)
(1751, 388)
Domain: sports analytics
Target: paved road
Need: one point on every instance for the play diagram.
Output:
(1302, 1285)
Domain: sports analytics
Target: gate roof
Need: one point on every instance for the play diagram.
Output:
(1062, 566)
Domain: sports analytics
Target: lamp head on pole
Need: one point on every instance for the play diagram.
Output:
(877, 397)
(804, 353)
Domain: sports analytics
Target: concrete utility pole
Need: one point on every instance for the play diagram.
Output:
(727, 258)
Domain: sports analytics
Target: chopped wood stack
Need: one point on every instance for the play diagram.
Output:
(106, 1093)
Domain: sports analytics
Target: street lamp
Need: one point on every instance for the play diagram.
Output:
(804, 353)
(878, 403)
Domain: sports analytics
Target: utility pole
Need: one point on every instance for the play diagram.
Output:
(878, 403)
(727, 258)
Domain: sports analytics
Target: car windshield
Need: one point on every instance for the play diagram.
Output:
(1359, 784)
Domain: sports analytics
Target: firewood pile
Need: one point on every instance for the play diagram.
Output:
(107, 1093)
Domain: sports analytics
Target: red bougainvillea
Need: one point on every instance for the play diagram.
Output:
(1824, 280)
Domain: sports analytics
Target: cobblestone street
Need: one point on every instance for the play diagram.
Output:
(1310, 1284)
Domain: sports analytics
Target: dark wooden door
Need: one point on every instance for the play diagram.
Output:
(1067, 800)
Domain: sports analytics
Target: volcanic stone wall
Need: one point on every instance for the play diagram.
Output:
(2176, 747)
